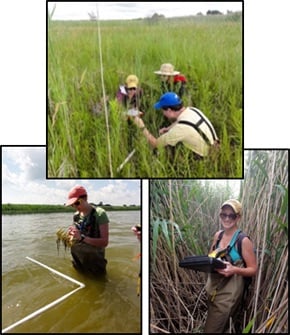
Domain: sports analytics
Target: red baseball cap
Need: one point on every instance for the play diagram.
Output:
(76, 192)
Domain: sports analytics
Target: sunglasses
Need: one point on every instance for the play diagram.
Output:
(131, 89)
(232, 217)
(165, 108)
(77, 203)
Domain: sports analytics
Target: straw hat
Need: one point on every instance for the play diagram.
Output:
(167, 70)
(132, 81)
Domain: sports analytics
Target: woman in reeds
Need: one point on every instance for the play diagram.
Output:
(226, 287)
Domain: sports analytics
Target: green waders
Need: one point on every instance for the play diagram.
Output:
(88, 258)
(224, 299)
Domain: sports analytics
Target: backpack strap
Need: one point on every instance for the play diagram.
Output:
(196, 126)
(239, 244)
(237, 238)
(219, 239)
(94, 227)
(234, 239)
(247, 280)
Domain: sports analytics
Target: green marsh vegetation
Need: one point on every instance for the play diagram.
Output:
(82, 143)
(183, 220)
(39, 208)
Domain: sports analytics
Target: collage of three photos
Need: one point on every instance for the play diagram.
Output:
(144, 213)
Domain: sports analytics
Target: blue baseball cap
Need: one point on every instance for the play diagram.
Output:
(168, 99)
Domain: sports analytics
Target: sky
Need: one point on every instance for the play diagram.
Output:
(133, 10)
(24, 181)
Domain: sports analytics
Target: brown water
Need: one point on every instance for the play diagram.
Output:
(105, 305)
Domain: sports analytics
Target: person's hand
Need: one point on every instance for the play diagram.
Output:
(71, 230)
(136, 232)
(130, 115)
(163, 130)
(74, 232)
(139, 122)
(228, 271)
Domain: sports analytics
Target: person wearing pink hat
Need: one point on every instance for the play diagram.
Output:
(90, 230)
(226, 287)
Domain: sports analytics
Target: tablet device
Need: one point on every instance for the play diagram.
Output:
(202, 263)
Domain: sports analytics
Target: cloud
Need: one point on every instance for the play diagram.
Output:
(130, 10)
(28, 162)
(119, 5)
(8, 177)
(24, 181)
(116, 192)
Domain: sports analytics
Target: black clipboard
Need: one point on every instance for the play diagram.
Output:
(202, 263)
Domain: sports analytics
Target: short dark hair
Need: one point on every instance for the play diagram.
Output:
(85, 196)
(176, 108)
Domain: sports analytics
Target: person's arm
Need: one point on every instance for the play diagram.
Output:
(141, 125)
(249, 257)
(121, 93)
(150, 138)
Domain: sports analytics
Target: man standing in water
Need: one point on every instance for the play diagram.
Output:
(90, 231)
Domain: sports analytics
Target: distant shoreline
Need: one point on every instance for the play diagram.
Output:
(35, 208)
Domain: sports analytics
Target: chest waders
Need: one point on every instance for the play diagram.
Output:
(225, 295)
(86, 257)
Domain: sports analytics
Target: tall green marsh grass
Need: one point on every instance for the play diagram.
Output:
(208, 51)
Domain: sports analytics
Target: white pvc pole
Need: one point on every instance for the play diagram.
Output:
(57, 272)
(126, 160)
(46, 307)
